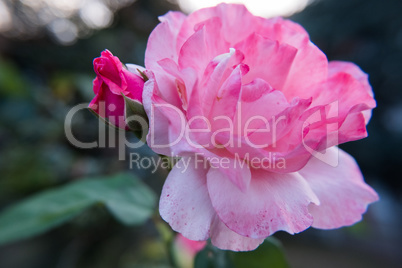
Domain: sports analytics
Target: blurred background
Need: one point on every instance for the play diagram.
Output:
(46, 53)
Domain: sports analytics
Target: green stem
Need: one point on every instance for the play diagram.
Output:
(168, 238)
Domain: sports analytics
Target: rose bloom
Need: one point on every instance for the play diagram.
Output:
(112, 80)
(227, 88)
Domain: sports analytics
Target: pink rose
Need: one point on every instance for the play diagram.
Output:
(112, 80)
(254, 109)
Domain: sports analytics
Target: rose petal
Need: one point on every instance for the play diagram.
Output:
(267, 59)
(167, 122)
(109, 106)
(238, 174)
(285, 129)
(273, 202)
(216, 73)
(185, 202)
(157, 47)
(203, 46)
(347, 91)
(310, 66)
(284, 31)
(352, 69)
(186, 206)
(110, 70)
(236, 22)
(343, 194)
(279, 141)
(341, 97)
(224, 238)
(186, 79)
(227, 97)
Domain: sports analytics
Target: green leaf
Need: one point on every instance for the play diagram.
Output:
(129, 200)
(268, 255)
(212, 257)
(12, 83)
(144, 76)
(135, 115)
(204, 259)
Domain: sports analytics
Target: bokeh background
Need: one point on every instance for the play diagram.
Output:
(46, 53)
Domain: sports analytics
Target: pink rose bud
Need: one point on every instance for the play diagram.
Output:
(255, 111)
(186, 250)
(113, 81)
